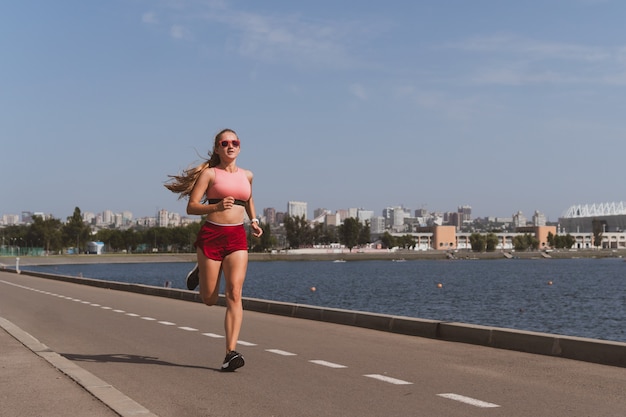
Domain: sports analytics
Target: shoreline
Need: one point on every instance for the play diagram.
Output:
(10, 261)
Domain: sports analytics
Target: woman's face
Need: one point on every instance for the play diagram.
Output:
(228, 145)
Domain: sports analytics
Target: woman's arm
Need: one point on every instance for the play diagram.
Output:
(194, 205)
(251, 211)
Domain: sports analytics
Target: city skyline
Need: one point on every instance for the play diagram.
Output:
(504, 106)
(108, 216)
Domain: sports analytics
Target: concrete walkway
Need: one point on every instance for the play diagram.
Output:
(35, 382)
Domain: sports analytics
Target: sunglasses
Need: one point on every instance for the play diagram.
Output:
(225, 143)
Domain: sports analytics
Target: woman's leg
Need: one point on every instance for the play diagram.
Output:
(235, 265)
(209, 272)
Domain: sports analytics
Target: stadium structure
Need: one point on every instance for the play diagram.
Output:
(581, 218)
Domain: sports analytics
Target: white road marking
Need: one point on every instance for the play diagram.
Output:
(189, 329)
(451, 396)
(468, 400)
(280, 352)
(213, 335)
(388, 379)
(328, 364)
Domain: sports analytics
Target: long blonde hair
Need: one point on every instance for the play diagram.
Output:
(183, 184)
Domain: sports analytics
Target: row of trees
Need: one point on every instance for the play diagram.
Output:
(299, 233)
(50, 234)
(55, 237)
(489, 242)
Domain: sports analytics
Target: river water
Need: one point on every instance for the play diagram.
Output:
(574, 297)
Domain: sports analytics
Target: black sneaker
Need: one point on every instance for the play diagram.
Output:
(232, 361)
(193, 279)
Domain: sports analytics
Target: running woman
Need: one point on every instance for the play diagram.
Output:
(221, 191)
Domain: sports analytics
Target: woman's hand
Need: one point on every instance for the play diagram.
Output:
(226, 204)
(256, 229)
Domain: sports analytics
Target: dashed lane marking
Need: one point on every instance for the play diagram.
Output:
(213, 335)
(280, 352)
(388, 379)
(468, 400)
(189, 329)
(383, 378)
(327, 364)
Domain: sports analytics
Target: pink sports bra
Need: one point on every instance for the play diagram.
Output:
(233, 184)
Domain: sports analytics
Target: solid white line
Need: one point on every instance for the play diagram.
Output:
(328, 364)
(280, 352)
(388, 379)
(468, 400)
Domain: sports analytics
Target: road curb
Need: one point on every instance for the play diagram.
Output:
(106, 393)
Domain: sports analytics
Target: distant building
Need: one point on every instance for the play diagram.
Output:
(465, 213)
(519, 220)
(364, 216)
(108, 217)
(580, 218)
(332, 219)
(539, 219)
(270, 215)
(10, 219)
(163, 218)
(297, 209)
(377, 225)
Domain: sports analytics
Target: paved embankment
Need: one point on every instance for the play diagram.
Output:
(583, 349)
(155, 355)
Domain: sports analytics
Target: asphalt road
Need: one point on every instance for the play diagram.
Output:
(165, 354)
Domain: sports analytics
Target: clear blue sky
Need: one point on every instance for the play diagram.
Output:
(500, 105)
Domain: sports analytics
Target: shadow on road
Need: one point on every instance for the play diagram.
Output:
(125, 358)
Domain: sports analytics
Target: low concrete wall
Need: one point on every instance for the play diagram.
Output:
(577, 348)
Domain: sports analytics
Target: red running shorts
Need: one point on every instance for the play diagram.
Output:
(217, 241)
